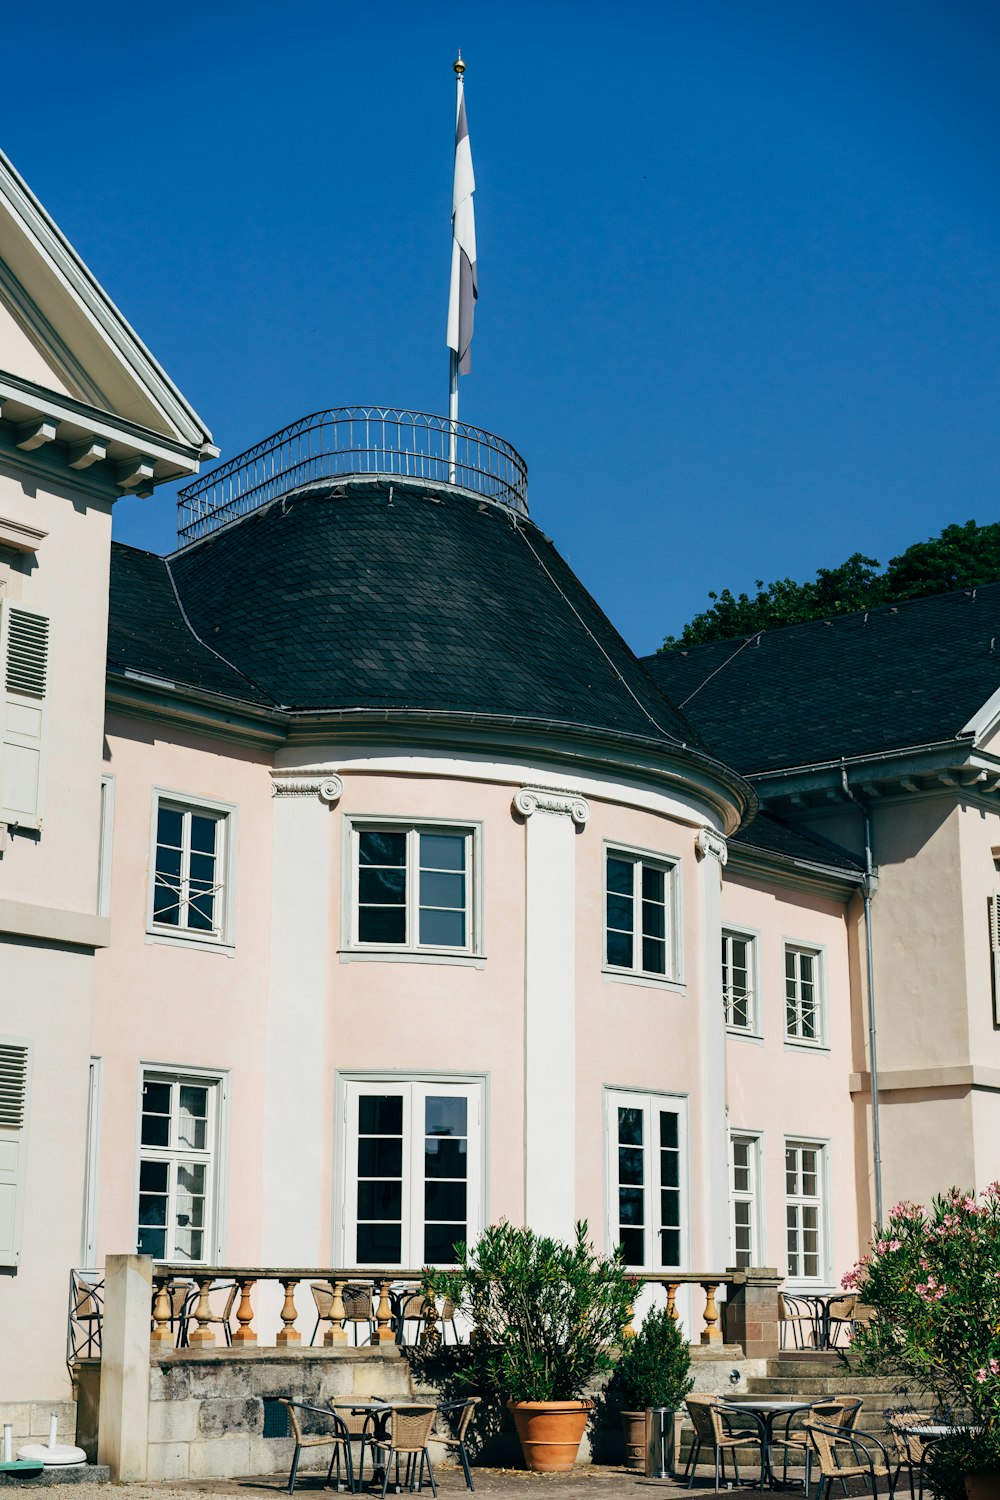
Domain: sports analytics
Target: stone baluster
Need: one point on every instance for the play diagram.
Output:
(163, 1312)
(336, 1333)
(711, 1333)
(288, 1334)
(202, 1314)
(244, 1335)
(383, 1315)
(430, 1337)
(672, 1299)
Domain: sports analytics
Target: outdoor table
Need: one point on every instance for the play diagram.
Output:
(820, 1302)
(381, 1413)
(768, 1412)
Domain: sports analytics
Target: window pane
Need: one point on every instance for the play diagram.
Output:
(168, 864)
(630, 1165)
(380, 1200)
(203, 831)
(445, 1200)
(442, 890)
(629, 1126)
(377, 848)
(155, 1098)
(631, 1206)
(202, 870)
(442, 929)
(169, 822)
(382, 924)
(670, 1240)
(442, 851)
(619, 950)
(166, 905)
(381, 887)
(153, 1176)
(445, 1158)
(380, 1114)
(446, 1115)
(670, 1208)
(670, 1169)
(654, 956)
(188, 1244)
(190, 1178)
(620, 877)
(155, 1130)
(152, 1242)
(379, 1244)
(654, 920)
(620, 912)
(633, 1242)
(201, 912)
(440, 1241)
(654, 884)
(152, 1210)
(380, 1158)
(669, 1131)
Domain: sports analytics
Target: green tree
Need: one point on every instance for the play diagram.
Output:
(961, 557)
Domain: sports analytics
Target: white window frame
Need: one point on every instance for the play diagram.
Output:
(413, 950)
(218, 1150)
(753, 1026)
(650, 1103)
(223, 938)
(414, 1089)
(818, 956)
(754, 1140)
(105, 846)
(799, 1200)
(670, 865)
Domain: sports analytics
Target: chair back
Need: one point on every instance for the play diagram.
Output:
(465, 1417)
(411, 1427)
(843, 1307)
(457, 1415)
(322, 1294)
(700, 1411)
(227, 1311)
(293, 1417)
(411, 1305)
(358, 1304)
(824, 1446)
(356, 1423)
(839, 1411)
(908, 1446)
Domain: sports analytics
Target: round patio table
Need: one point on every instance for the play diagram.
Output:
(768, 1412)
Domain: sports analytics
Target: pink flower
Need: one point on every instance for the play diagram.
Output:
(895, 1245)
(981, 1376)
(995, 1366)
(969, 1203)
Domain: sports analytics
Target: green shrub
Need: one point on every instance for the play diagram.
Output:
(546, 1315)
(654, 1368)
(963, 1453)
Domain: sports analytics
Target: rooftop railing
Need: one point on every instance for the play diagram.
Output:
(351, 441)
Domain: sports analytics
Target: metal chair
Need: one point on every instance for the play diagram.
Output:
(458, 1414)
(189, 1300)
(793, 1437)
(845, 1454)
(408, 1436)
(358, 1308)
(339, 1438)
(409, 1306)
(714, 1427)
(840, 1314)
(910, 1447)
(798, 1314)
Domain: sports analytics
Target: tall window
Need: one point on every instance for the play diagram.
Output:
(639, 930)
(738, 988)
(745, 1169)
(803, 996)
(191, 853)
(646, 1191)
(413, 1172)
(412, 888)
(177, 1147)
(804, 1210)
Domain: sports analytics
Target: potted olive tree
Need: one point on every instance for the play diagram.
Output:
(654, 1370)
(546, 1317)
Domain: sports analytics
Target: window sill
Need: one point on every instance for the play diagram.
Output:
(648, 981)
(199, 945)
(745, 1034)
(795, 1045)
(410, 956)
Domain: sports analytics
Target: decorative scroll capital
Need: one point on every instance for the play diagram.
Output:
(307, 783)
(531, 799)
(713, 844)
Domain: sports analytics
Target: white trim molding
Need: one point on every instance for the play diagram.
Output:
(306, 781)
(532, 799)
(711, 843)
(18, 536)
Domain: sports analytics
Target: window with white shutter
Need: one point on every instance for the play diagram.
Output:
(14, 1061)
(24, 657)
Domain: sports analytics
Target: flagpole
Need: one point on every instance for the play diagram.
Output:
(459, 67)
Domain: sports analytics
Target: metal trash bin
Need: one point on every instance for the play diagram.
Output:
(659, 1442)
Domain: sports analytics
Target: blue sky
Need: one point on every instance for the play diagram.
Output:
(739, 260)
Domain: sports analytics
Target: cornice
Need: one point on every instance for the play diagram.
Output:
(248, 724)
(792, 873)
(943, 769)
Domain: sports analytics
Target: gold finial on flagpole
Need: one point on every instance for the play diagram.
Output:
(458, 64)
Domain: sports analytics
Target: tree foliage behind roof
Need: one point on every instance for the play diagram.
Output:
(961, 557)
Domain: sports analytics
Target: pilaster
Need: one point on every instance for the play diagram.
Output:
(712, 856)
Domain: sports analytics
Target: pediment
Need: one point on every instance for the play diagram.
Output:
(29, 349)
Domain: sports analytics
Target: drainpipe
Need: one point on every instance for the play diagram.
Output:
(869, 884)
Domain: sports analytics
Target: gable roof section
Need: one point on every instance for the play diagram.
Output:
(69, 316)
(864, 684)
(771, 836)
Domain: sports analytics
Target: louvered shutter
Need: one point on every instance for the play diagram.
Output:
(24, 653)
(13, 1147)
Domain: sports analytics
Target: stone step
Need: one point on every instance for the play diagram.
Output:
(807, 1364)
(847, 1384)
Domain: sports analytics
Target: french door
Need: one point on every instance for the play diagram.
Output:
(412, 1172)
(647, 1187)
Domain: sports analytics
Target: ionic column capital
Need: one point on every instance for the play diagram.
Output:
(532, 799)
(307, 781)
(712, 845)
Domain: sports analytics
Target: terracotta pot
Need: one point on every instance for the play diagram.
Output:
(550, 1432)
(982, 1486)
(634, 1428)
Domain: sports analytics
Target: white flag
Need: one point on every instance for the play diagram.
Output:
(464, 289)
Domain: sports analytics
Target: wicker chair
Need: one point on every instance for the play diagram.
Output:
(845, 1454)
(409, 1308)
(715, 1428)
(909, 1448)
(358, 1308)
(187, 1315)
(408, 1437)
(793, 1434)
(798, 1314)
(458, 1415)
(339, 1439)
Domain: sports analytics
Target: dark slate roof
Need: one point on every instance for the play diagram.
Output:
(857, 684)
(773, 836)
(147, 632)
(350, 600)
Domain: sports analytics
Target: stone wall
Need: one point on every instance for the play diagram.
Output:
(30, 1421)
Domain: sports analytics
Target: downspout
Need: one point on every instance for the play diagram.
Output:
(868, 887)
